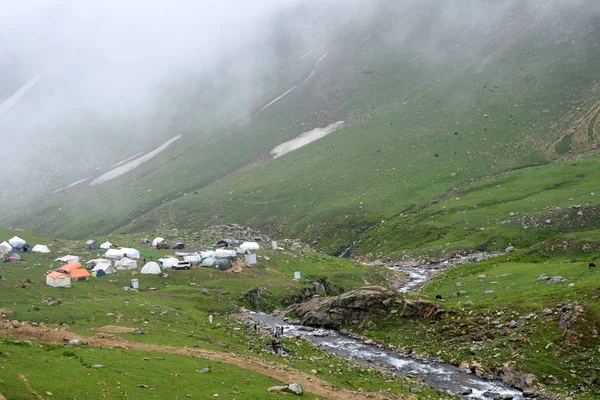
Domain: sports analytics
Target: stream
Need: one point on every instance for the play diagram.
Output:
(444, 377)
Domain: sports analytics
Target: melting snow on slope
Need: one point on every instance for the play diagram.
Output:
(304, 139)
(127, 159)
(133, 164)
(72, 184)
(19, 94)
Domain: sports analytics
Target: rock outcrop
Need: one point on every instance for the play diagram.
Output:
(359, 305)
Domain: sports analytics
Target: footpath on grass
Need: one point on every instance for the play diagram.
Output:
(280, 372)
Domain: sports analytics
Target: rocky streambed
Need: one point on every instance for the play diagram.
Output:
(319, 319)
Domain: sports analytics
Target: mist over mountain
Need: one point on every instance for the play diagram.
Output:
(426, 89)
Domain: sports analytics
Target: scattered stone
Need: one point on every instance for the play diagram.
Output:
(276, 388)
(486, 292)
(546, 311)
(75, 342)
(510, 248)
(469, 303)
(314, 371)
(204, 370)
(519, 380)
(492, 395)
(96, 366)
(555, 279)
(512, 324)
(481, 277)
(416, 389)
(142, 386)
(542, 277)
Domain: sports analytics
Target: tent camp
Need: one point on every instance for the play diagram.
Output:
(6, 246)
(3, 254)
(249, 247)
(157, 241)
(56, 279)
(208, 262)
(91, 245)
(106, 245)
(151, 268)
(40, 248)
(130, 253)
(17, 243)
(126, 263)
(103, 269)
(114, 253)
(68, 259)
(209, 253)
(169, 262)
(223, 264)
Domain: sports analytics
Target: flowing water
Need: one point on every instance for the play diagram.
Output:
(440, 376)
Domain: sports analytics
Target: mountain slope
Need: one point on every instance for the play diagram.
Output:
(429, 103)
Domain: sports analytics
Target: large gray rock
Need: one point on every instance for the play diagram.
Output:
(518, 380)
(555, 279)
(294, 388)
(360, 305)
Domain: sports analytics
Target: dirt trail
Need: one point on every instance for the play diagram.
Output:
(280, 372)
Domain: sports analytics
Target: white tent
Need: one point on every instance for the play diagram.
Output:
(192, 259)
(56, 279)
(169, 262)
(156, 241)
(68, 259)
(107, 268)
(106, 245)
(131, 253)
(205, 254)
(114, 253)
(17, 243)
(249, 246)
(98, 261)
(151, 268)
(7, 247)
(208, 262)
(40, 248)
(3, 254)
(126, 263)
(222, 253)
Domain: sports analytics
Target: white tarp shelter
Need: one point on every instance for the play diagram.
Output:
(130, 253)
(169, 262)
(207, 254)
(56, 279)
(114, 253)
(107, 268)
(40, 248)
(222, 253)
(208, 262)
(17, 243)
(106, 245)
(249, 246)
(151, 268)
(156, 241)
(68, 259)
(126, 263)
(7, 247)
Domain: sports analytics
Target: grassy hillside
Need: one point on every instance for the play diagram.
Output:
(429, 106)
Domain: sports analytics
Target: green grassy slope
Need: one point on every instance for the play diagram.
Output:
(424, 115)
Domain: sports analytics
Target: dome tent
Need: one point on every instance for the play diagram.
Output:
(126, 263)
(151, 268)
(169, 262)
(157, 241)
(40, 248)
(17, 243)
(106, 245)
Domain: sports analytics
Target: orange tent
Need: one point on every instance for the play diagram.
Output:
(69, 267)
(56, 279)
(79, 274)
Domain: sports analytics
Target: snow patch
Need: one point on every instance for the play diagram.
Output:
(127, 159)
(304, 139)
(72, 184)
(19, 94)
(278, 98)
(131, 165)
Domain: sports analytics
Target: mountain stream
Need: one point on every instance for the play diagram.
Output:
(444, 377)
